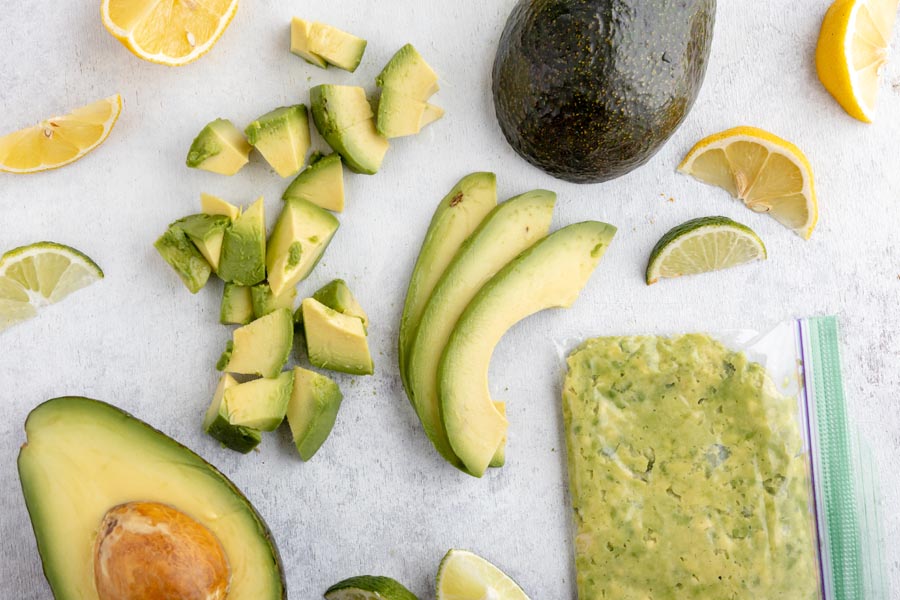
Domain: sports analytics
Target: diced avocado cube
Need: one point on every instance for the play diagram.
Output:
(312, 410)
(337, 296)
(260, 404)
(398, 114)
(321, 183)
(336, 47)
(213, 205)
(300, 43)
(301, 235)
(236, 437)
(361, 146)
(344, 117)
(260, 348)
(500, 456)
(244, 247)
(177, 249)
(220, 147)
(207, 233)
(265, 302)
(335, 341)
(237, 305)
(282, 137)
(408, 73)
(432, 113)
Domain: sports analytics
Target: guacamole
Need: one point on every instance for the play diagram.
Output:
(688, 474)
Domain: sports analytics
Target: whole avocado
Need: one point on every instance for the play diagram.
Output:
(589, 90)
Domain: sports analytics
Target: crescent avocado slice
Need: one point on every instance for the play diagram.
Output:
(83, 457)
(549, 274)
(509, 229)
(455, 218)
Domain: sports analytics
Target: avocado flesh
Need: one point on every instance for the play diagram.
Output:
(220, 147)
(282, 137)
(177, 249)
(336, 47)
(265, 302)
(300, 43)
(431, 114)
(301, 235)
(335, 341)
(216, 423)
(83, 457)
(511, 228)
(549, 274)
(609, 81)
(260, 348)
(244, 247)
(237, 305)
(337, 296)
(398, 114)
(409, 72)
(213, 205)
(259, 404)
(456, 217)
(312, 410)
(207, 233)
(361, 146)
(499, 458)
(344, 117)
(321, 183)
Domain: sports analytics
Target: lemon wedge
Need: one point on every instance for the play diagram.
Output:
(58, 141)
(769, 174)
(169, 32)
(853, 50)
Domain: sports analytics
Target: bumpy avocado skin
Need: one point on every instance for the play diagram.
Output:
(589, 90)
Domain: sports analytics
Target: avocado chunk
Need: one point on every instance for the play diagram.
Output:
(259, 404)
(207, 233)
(213, 205)
(336, 47)
(282, 137)
(177, 249)
(337, 296)
(335, 341)
(398, 114)
(244, 247)
(607, 81)
(549, 274)
(407, 81)
(499, 458)
(301, 235)
(265, 302)
(456, 217)
(508, 230)
(237, 305)
(216, 423)
(83, 457)
(220, 147)
(431, 114)
(312, 410)
(260, 348)
(321, 183)
(345, 119)
(300, 43)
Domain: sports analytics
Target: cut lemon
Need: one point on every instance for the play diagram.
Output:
(40, 274)
(169, 32)
(769, 174)
(368, 587)
(853, 49)
(466, 576)
(703, 245)
(58, 141)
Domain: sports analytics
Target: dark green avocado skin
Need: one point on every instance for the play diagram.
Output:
(589, 90)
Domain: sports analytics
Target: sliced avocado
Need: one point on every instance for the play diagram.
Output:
(499, 458)
(261, 403)
(549, 274)
(265, 302)
(431, 114)
(301, 235)
(282, 137)
(345, 119)
(207, 233)
(237, 305)
(260, 348)
(408, 73)
(312, 410)
(511, 228)
(321, 183)
(300, 43)
(335, 341)
(236, 437)
(456, 217)
(244, 247)
(336, 47)
(337, 296)
(398, 114)
(83, 457)
(213, 205)
(220, 147)
(177, 249)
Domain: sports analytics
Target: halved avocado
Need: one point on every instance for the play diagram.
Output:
(549, 274)
(83, 457)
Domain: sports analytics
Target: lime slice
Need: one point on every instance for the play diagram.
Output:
(369, 587)
(466, 576)
(38, 275)
(703, 245)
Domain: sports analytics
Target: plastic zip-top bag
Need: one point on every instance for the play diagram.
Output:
(718, 466)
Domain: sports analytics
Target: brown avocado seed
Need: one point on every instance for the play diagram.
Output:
(148, 551)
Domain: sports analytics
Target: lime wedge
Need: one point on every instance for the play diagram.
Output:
(466, 576)
(703, 245)
(35, 276)
(369, 587)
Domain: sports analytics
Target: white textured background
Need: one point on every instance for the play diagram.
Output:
(377, 498)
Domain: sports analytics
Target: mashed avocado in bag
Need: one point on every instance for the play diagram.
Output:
(688, 474)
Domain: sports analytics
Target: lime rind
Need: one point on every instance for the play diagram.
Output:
(463, 575)
(369, 587)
